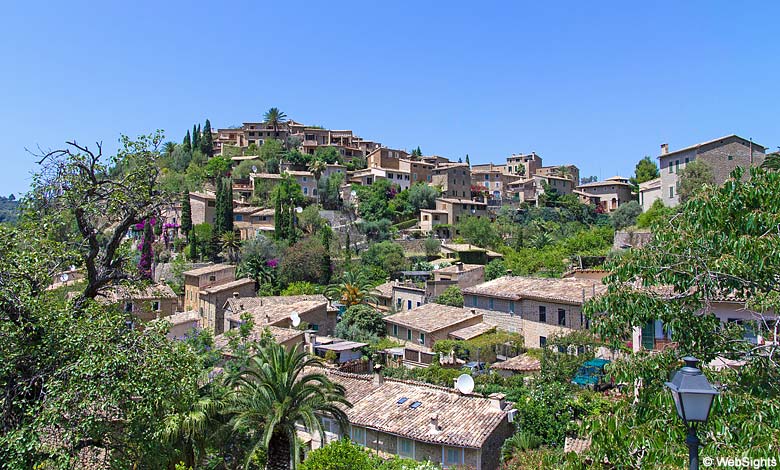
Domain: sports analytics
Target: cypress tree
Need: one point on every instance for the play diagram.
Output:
(187, 143)
(278, 213)
(186, 214)
(207, 141)
(193, 247)
(195, 138)
(145, 263)
(228, 190)
(219, 209)
(467, 160)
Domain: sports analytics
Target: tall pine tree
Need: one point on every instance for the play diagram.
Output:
(207, 141)
(195, 138)
(187, 143)
(193, 247)
(186, 214)
(219, 209)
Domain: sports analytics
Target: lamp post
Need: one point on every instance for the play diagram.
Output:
(693, 396)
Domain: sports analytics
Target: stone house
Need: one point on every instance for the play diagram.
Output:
(459, 274)
(468, 253)
(144, 303)
(610, 193)
(252, 221)
(649, 191)
(420, 421)
(424, 325)
(182, 323)
(722, 155)
(386, 158)
(198, 279)
(454, 180)
(449, 212)
(212, 300)
(535, 307)
(203, 207)
(523, 164)
(314, 310)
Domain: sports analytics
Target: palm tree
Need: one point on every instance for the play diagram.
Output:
(274, 118)
(353, 289)
(230, 245)
(168, 148)
(276, 391)
(317, 168)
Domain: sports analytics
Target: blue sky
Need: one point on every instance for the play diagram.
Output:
(597, 84)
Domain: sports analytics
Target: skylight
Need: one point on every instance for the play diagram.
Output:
(401, 401)
(415, 405)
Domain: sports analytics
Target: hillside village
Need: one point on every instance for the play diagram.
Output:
(401, 272)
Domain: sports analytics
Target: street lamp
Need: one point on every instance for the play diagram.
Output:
(693, 396)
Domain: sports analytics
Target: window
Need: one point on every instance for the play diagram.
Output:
(304, 179)
(405, 448)
(671, 168)
(156, 305)
(453, 456)
(408, 305)
(677, 166)
(511, 306)
(128, 307)
(490, 304)
(671, 191)
(419, 303)
(359, 435)
(731, 157)
(543, 314)
(409, 334)
(562, 317)
(305, 190)
(474, 300)
(395, 331)
(422, 338)
(212, 278)
(239, 217)
(542, 341)
(212, 203)
(314, 326)
(686, 161)
(399, 302)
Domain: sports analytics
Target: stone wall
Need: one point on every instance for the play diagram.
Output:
(632, 238)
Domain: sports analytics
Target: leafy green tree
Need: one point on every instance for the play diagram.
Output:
(432, 247)
(657, 213)
(479, 231)
(230, 245)
(271, 152)
(244, 168)
(192, 246)
(386, 256)
(301, 288)
(645, 170)
(772, 161)
(374, 199)
(274, 393)
(495, 269)
(693, 178)
(717, 244)
(304, 261)
(204, 234)
(329, 190)
(451, 296)
(423, 196)
(327, 154)
(74, 186)
(207, 140)
(275, 118)
(186, 214)
(352, 289)
(625, 215)
(217, 167)
(286, 195)
(376, 230)
(360, 323)
(317, 168)
(417, 152)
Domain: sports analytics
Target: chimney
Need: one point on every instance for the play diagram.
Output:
(434, 424)
(235, 295)
(460, 266)
(664, 149)
(508, 272)
(378, 378)
(497, 400)
(473, 311)
(267, 318)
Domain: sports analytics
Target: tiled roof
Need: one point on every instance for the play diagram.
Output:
(463, 420)
(182, 317)
(120, 292)
(607, 182)
(569, 290)
(247, 210)
(263, 315)
(432, 317)
(212, 268)
(692, 147)
(228, 286)
(454, 269)
(281, 335)
(385, 289)
(473, 331)
(521, 363)
(461, 201)
(248, 303)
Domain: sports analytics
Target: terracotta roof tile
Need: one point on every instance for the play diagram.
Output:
(464, 420)
(569, 290)
(521, 363)
(432, 317)
(207, 269)
(473, 331)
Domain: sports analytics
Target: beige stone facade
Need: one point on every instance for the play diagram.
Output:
(211, 301)
(454, 179)
(610, 193)
(198, 279)
(203, 206)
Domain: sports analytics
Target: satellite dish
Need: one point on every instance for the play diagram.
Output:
(465, 384)
(299, 209)
(254, 169)
(64, 277)
(353, 193)
(296, 320)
